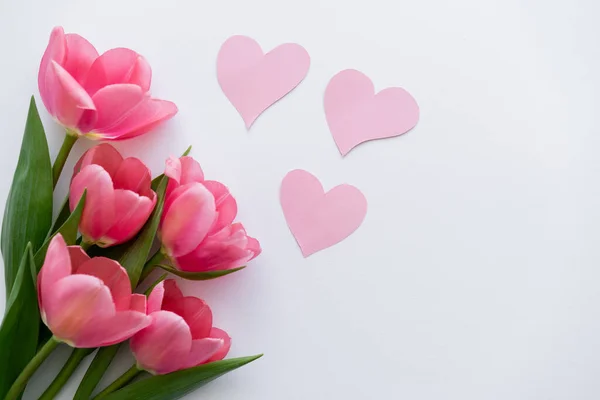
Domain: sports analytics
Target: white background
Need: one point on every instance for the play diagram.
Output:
(476, 273)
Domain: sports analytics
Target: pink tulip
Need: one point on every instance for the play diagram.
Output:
(196, 230)
(180, 335)
(87, 302)
(99, 96)
(119, 198)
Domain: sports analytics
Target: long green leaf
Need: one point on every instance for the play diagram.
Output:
(133, 259)
(28, 212)
(95, 371)
(177, 384)
(199, 276)
(19, 330)
(63, 214)
(137, 253)
(68, 230)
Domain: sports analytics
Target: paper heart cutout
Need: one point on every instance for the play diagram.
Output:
(356, 114)
(317, 219)
(253, 81)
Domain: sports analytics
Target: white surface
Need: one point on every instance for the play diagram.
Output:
(476, 274)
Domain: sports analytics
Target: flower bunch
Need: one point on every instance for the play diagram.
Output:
(74, 280)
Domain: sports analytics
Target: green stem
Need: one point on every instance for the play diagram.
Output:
(95, 371)
(19, 385)
(77, 355)
(63, 153)
(120, 382)
(150, 264)
(85, 246)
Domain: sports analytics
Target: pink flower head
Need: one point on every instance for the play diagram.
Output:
(197, 229)
(99, 96)
(119, 198)
(87, 302)
(180, 335)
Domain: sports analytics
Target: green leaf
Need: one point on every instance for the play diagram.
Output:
(156, 180)
(63, 214)
(137, 253)
(95, 371)
(187, 151)
(19, 330)
(199, 276)
(151, 288)
(177, 384)
(28, 211)
(68, 230)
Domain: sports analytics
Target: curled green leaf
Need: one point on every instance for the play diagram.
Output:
(68, 230)
(159, 280)
(199, 276)
(177, 384)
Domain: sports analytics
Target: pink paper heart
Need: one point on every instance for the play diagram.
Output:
(253, 81)
(317, 219)
(356, 114)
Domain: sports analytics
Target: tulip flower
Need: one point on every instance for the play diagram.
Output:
(101, 97)
(197, 229)
(180, 335)
(87, 302)
(119, 198)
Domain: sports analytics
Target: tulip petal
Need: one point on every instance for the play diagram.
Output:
(79, 57)
(56, 51)
(196, 313)
(155, 298)
(213, 256)
(114, 103)
(134, 175)
(222, 352)
(138, 303)
(143, 118)
(225, 203)
(202, 350)
(182, 171)
(253, 246)
(173, 168)
(112, 330)
(57, 266)
(172, 171)
(172, 293)
(114, 277)
(103, 155)
(223, 250)
(164, 345)
(99, 211)
(71, 104)
(190, 171)
(75, 303)
(118, 65)
(131, 213)
(78, 257)
(188, 219)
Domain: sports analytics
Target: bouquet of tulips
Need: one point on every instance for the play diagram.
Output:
(73, 280)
